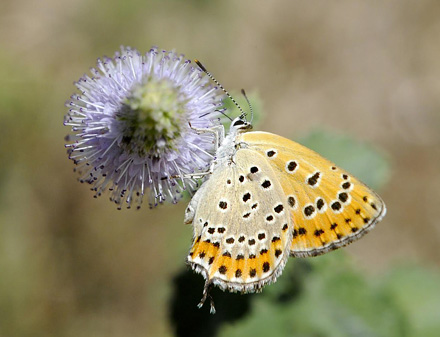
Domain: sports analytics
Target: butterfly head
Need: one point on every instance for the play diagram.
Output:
(240, 125)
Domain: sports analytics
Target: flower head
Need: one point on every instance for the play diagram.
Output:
(131, 129)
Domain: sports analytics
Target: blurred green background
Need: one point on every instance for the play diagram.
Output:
(362, 76)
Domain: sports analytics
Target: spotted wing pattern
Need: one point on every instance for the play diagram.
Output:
(242, 225)
(329, 207)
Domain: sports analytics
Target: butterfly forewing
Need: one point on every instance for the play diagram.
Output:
(329, 207)
(242, 225)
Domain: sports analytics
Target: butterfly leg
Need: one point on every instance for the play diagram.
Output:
(218, 131)
(206, 294)
(195, 175)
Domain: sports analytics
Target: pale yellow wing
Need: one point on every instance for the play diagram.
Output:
(242, 225)
(330, 208)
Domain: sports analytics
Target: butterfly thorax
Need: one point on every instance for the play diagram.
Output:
(231, 144)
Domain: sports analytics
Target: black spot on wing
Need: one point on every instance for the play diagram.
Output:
(292, 165)
(254, 169)
(266, 267)
(223, 204)
(309, 210)
(246, 196)
(278, 209)
(313, 180)
(343, 196)
(266, 184)
(336, 206)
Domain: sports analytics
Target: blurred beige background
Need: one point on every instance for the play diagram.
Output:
(71, 264)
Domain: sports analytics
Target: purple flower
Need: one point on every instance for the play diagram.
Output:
(130, 126)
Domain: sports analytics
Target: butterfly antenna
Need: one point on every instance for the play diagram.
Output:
(243, 114)
(222, 111)
(224, 114)
(249, 103)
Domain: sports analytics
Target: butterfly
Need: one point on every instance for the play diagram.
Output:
(267, 198)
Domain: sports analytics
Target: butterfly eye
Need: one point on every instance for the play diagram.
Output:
(238, 122)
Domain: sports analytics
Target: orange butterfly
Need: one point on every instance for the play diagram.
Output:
(268, 198)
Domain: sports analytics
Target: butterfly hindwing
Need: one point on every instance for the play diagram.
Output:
(329, 207)
(242, 225)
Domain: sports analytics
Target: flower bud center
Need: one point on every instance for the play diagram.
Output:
(150, 117)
